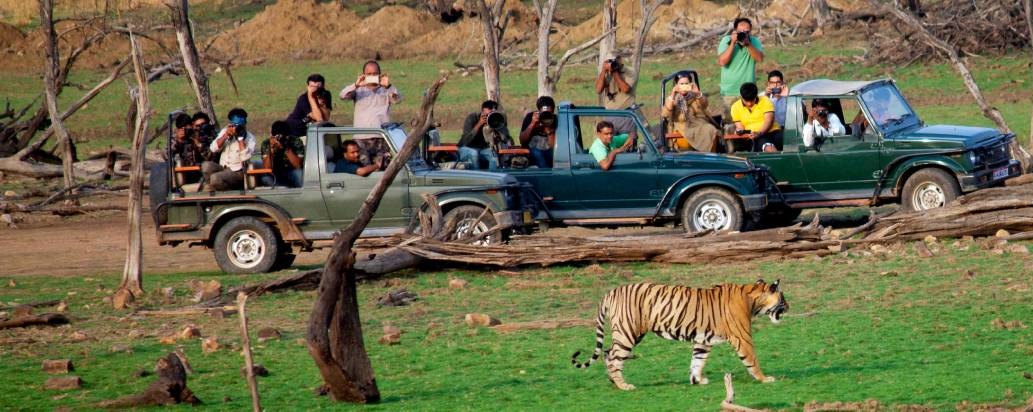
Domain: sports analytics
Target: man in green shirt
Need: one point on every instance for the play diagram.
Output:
(738, 54)
(601, 150)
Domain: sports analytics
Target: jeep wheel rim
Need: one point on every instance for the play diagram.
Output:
(471, 227)
(712, 215)
(928, 195)
(246, 249)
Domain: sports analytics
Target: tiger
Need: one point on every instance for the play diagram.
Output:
(704, 316)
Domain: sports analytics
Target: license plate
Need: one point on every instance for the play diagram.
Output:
(1001, 173)
(527, 216)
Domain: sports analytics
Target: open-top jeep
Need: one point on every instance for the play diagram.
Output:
(258, 228)
(884, 154)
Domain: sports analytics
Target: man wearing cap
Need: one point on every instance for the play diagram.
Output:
(234, 144)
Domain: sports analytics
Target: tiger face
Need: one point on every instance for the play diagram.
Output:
(769, 300)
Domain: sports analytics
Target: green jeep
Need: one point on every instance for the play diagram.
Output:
(257, 229)
(884, 153)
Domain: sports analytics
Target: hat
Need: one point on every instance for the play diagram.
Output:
(238, 120)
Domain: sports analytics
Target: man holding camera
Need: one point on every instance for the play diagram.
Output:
(373, 95)
(313, 106)
(235, 144)
(754, 117)
(821, 124)
(614, 91)
(205, 131)
(481, 131)
(738, 53)
(778, 93)
(538, 132)
(284, 153)
(187, 147)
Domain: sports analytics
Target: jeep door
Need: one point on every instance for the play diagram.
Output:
(629, 188)
(555, 185)
(843, 165)
(344, 193)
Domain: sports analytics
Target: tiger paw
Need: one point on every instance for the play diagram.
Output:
(625, 386)
(699, 381)
(768, 379)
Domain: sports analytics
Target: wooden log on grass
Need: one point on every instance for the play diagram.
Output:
(48, 319)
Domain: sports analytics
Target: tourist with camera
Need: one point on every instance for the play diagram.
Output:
(538, 132)
(778, 93)
(482, 131)
(284, 154)
(235, 144)
(313, 106)
(821, 124)
(614, 91)
(205, 131)
(373, 95)
(187, 147)
(754, 117)
(686, 112)
(738, 53)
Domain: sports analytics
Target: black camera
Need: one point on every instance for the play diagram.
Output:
(742, 132)
(547, 119)
(496, 120)
(742, 37)
(776, 90)
(615, 65)
(823, 113)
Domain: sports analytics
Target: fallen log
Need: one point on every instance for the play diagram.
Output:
(48, 319)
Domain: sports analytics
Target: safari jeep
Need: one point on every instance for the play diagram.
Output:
(886, 155)
(258, 229)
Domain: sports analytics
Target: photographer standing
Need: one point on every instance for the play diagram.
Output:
(313, 106)
(738, 53)
(538, 132)
(235, 144)
(284, 153)
(821, 123)
(373, 95)
(614, 92)
(476, 144)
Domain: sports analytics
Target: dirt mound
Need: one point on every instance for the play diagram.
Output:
(289, 28)
(465, 37)
(383, 31)
(106, 52)
(9, 36)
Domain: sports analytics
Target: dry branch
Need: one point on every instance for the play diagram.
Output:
(249, 362)
(48, 319)
(728, 404)
(169, 389)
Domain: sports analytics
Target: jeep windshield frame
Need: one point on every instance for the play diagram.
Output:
(396, 134)
(887, 108)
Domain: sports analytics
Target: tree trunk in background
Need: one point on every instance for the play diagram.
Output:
(1017, 151)
(191, 58)
(609, 42)
(51, 77)
(132, 274)
(648, 18)
(822, 14)
(1028, 5)
(914, 6)
(545, 83)
(493, 32)
(334, 333)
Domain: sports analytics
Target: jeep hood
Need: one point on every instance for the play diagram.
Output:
(444, 177)
(965, 136)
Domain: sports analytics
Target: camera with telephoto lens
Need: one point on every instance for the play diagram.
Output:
(615, 65)
(741, 37)
(496, 120)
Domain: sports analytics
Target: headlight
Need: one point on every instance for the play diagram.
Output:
(973, 157)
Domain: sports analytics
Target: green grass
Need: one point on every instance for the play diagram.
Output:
(899, 330)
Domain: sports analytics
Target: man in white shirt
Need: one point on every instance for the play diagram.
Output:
(235, 145)
(821, 123)
(373, 95)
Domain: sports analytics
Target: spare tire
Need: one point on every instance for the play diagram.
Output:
(159, 192)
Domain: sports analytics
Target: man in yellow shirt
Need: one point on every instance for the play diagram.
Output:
(754, 115)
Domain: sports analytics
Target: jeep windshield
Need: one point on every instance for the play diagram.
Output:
(397, 135)
(888, 108)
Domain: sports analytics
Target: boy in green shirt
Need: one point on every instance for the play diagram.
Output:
(601, 150)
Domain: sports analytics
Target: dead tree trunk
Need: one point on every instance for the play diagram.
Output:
(545, 84)
(1017, 151)
(191, 58)
(494, 24)
(1028, 5)
(648, 18)
(132, 274)
(609, 41)
(334, 330)
(822, 14)
(51, 75)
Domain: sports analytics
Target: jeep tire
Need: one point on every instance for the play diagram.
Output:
(246, 245)
(462, 222)
(711, 209)
(929, 188)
